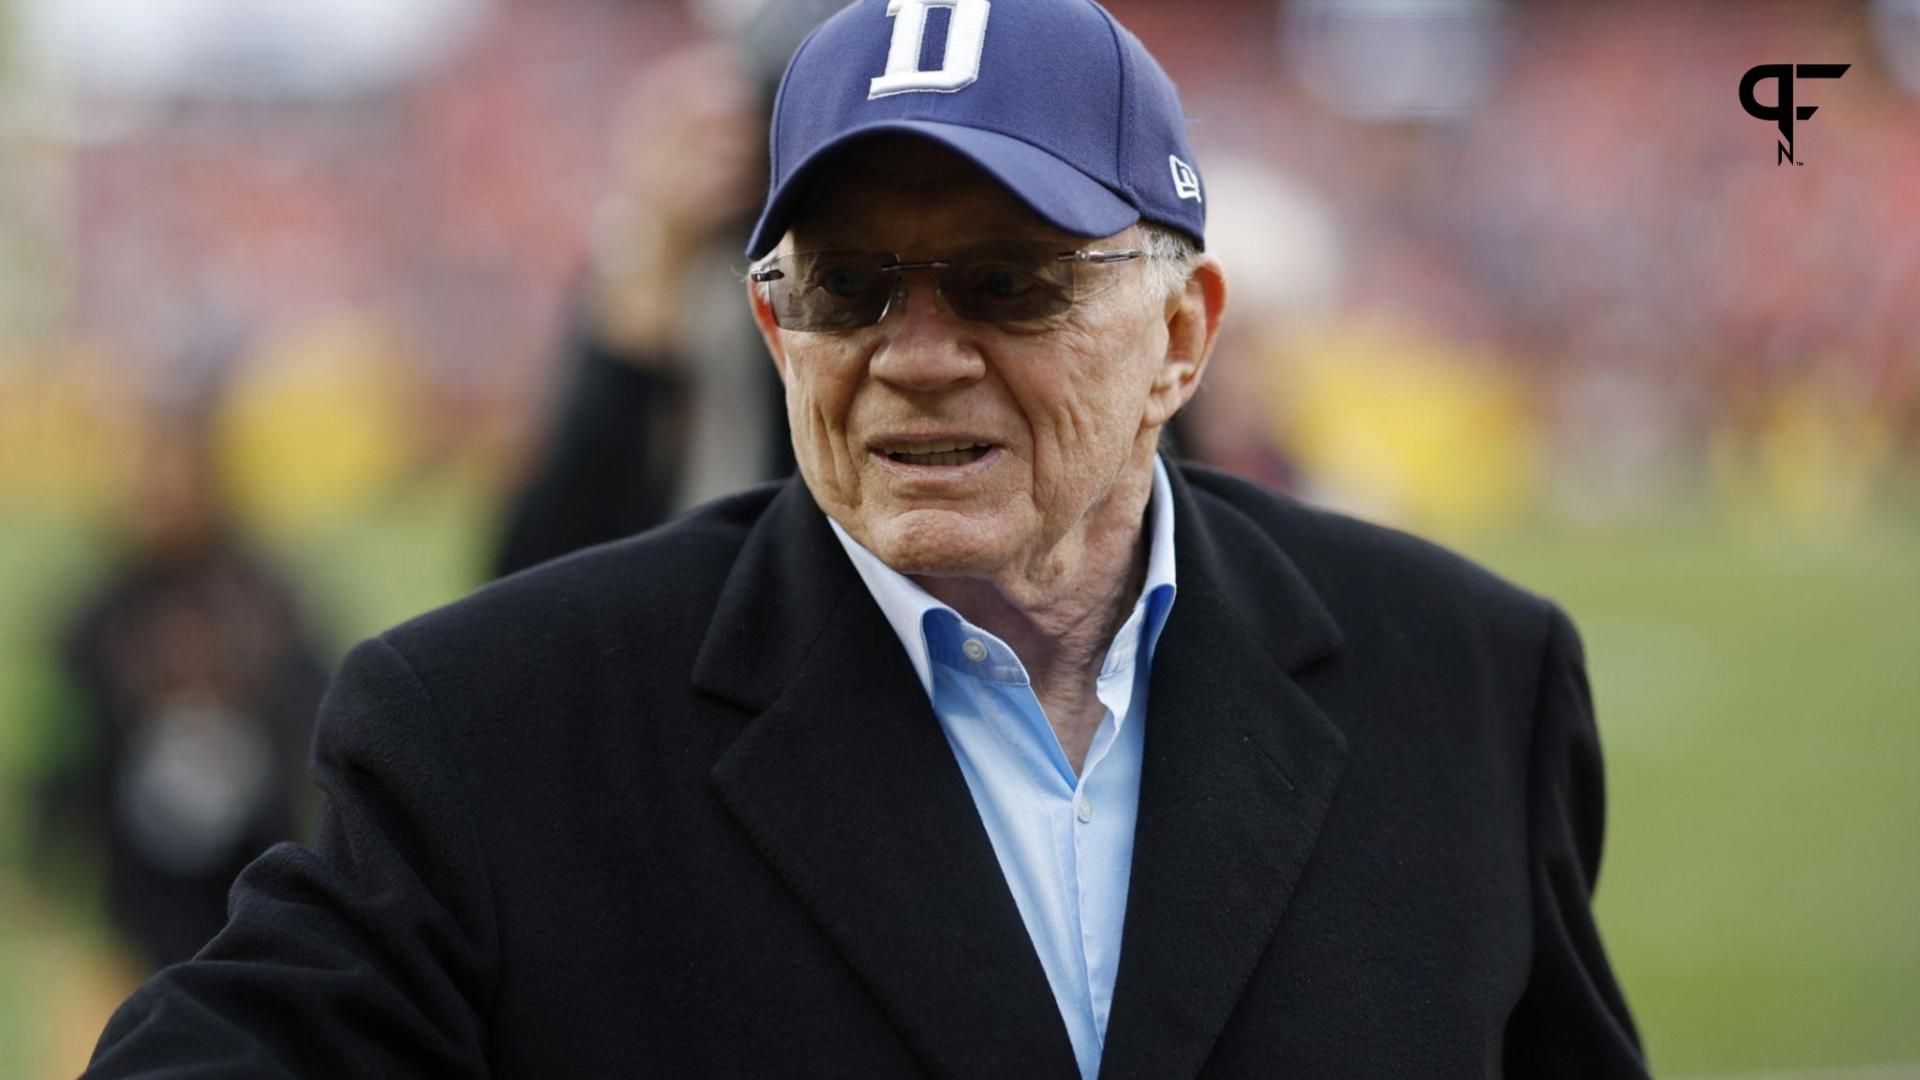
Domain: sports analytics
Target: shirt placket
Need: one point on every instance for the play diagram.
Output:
(1067, 798)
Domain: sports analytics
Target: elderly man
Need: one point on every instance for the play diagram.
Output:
(993, 745)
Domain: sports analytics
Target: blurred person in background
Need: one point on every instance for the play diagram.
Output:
(666, 401)
(197, 683)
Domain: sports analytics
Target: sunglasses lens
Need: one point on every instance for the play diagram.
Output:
(1014, 286)
(830, 290)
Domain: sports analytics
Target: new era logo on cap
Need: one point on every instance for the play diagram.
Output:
(1186, 182)
(1053, 98)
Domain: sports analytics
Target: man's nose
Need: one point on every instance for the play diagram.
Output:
(925, 346)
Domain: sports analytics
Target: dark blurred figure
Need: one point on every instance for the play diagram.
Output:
(198, 684)
(669, 399)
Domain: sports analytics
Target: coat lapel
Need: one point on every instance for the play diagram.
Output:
(1240, 768)
(847, 786)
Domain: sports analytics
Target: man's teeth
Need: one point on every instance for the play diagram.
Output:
(938, 453)
(933, 447)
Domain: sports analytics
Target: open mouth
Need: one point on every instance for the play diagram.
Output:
(938, 454)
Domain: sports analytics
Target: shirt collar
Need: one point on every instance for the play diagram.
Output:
(906, 605)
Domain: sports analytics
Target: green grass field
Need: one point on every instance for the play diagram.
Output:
(1759, 700)
(1760, 707)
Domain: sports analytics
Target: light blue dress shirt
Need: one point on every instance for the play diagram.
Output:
(1065, 842)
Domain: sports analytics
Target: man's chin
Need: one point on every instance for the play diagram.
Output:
(940, 543)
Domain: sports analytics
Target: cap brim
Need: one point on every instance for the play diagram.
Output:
(1062, 195)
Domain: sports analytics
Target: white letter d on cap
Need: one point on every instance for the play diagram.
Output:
(966, 39)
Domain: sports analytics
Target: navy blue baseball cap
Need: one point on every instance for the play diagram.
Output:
(1053, 98)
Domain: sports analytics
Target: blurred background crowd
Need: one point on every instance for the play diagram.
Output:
(315, 316)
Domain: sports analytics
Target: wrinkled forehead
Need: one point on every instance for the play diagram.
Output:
(904, 194)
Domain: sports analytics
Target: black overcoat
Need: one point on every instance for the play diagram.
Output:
(678, 807)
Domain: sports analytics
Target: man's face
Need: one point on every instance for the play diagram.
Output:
(1067, 410)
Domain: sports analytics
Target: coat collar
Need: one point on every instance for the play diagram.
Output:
(848, 788)
(1240, 768)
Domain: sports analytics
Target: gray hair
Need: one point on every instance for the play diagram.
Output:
(1171, 255)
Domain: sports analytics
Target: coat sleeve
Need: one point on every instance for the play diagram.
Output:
(1572, 1020)
(371, 954)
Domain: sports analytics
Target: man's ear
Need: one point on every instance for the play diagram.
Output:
(769, 332)
(1193, 317)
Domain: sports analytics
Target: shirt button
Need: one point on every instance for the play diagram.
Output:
(1085, 810)
(975, 650)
